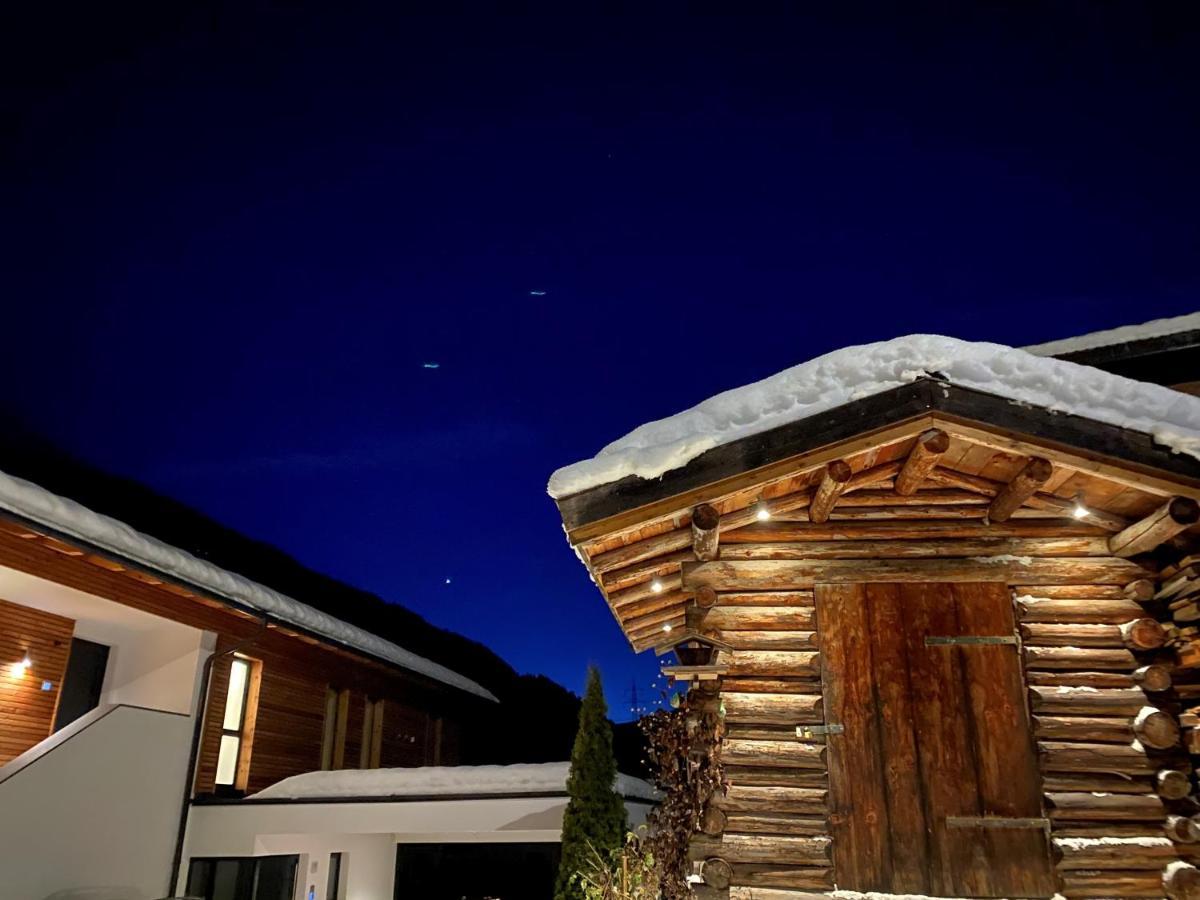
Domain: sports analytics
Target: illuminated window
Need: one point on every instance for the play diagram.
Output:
(237, 723)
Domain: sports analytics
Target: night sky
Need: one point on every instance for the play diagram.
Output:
(237, 237)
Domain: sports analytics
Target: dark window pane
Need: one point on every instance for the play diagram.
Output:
(249, 878)
(476, 871)
(333, 884)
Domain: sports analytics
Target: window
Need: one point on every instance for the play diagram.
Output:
(372, 735)
(247, 878)
(237, 724)
(333, 742)
(333, 884)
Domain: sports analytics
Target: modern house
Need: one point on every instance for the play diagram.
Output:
(940, 585)
(171, 727)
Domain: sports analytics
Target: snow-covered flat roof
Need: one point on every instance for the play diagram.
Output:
(852, 373)
(439, 781)
(1123, 335)
(70, 518)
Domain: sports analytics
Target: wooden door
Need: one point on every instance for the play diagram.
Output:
(933, 783)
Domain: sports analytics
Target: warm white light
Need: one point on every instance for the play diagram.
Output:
(656, 586)
(1080, 510)
(20, 668)
(762, 511)
(666, 627)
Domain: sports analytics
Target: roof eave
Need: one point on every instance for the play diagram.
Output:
(590, 513)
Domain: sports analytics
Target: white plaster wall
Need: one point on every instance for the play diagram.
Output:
(152, 667)
(96, 817)
(368, 833)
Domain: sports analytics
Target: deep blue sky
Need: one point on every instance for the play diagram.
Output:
(232, 237)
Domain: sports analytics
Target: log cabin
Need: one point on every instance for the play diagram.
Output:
(937, 580)
(170, 726)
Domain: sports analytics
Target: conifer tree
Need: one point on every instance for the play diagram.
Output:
(595, 813)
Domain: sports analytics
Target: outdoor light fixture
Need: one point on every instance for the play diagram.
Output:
(667, 627)
(761, 511)
(1080, 510)
(656, 586)
(20, 668)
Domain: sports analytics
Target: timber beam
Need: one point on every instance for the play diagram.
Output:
(922, 460)
(834, 481)
(706, 531)
(1035, 473)
(787, 574)
(1164, 523)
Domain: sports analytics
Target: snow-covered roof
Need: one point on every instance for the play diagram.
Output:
(852, 373)
(1124, 335)
(70, 518)
(439, 781)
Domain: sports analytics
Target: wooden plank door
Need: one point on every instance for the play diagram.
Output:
(934, 787)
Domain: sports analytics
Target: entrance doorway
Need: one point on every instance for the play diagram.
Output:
(83, 681)
(933, 782)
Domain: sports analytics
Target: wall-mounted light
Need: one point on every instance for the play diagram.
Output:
(667, 627)
(1080, 511)
(20, 668)
(762, 512)
(656, 586)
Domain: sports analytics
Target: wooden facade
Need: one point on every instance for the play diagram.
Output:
(419, 721)
(947, 670)
(27, 703)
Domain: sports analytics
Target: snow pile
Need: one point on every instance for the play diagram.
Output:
(1083, 843)
(1123, 335)
(434, 781)
(70, 518)
(852, 373)
(1001, 559)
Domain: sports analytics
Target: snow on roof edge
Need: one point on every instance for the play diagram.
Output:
(423, 781)
(853, 373)
(1121, 335)
(69, 517)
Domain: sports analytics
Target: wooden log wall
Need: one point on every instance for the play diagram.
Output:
(1103, 695)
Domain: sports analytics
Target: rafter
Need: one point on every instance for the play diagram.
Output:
(833, 482)
(1021, 487)
(1164, 523)
(706, 531)
(922, 459)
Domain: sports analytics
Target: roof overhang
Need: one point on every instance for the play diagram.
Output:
(925, 402)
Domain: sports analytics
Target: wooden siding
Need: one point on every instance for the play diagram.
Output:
(296, 669)
(27, 711)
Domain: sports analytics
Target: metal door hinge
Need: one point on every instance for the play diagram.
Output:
(1009, 822)
(967, 639)
(807, 731)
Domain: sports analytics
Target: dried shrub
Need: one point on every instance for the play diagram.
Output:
(683, 752)
(627, 873)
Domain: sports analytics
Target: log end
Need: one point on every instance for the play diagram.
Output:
(935, 441)
(705, 517)
(1184, 511)
(839, 471)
